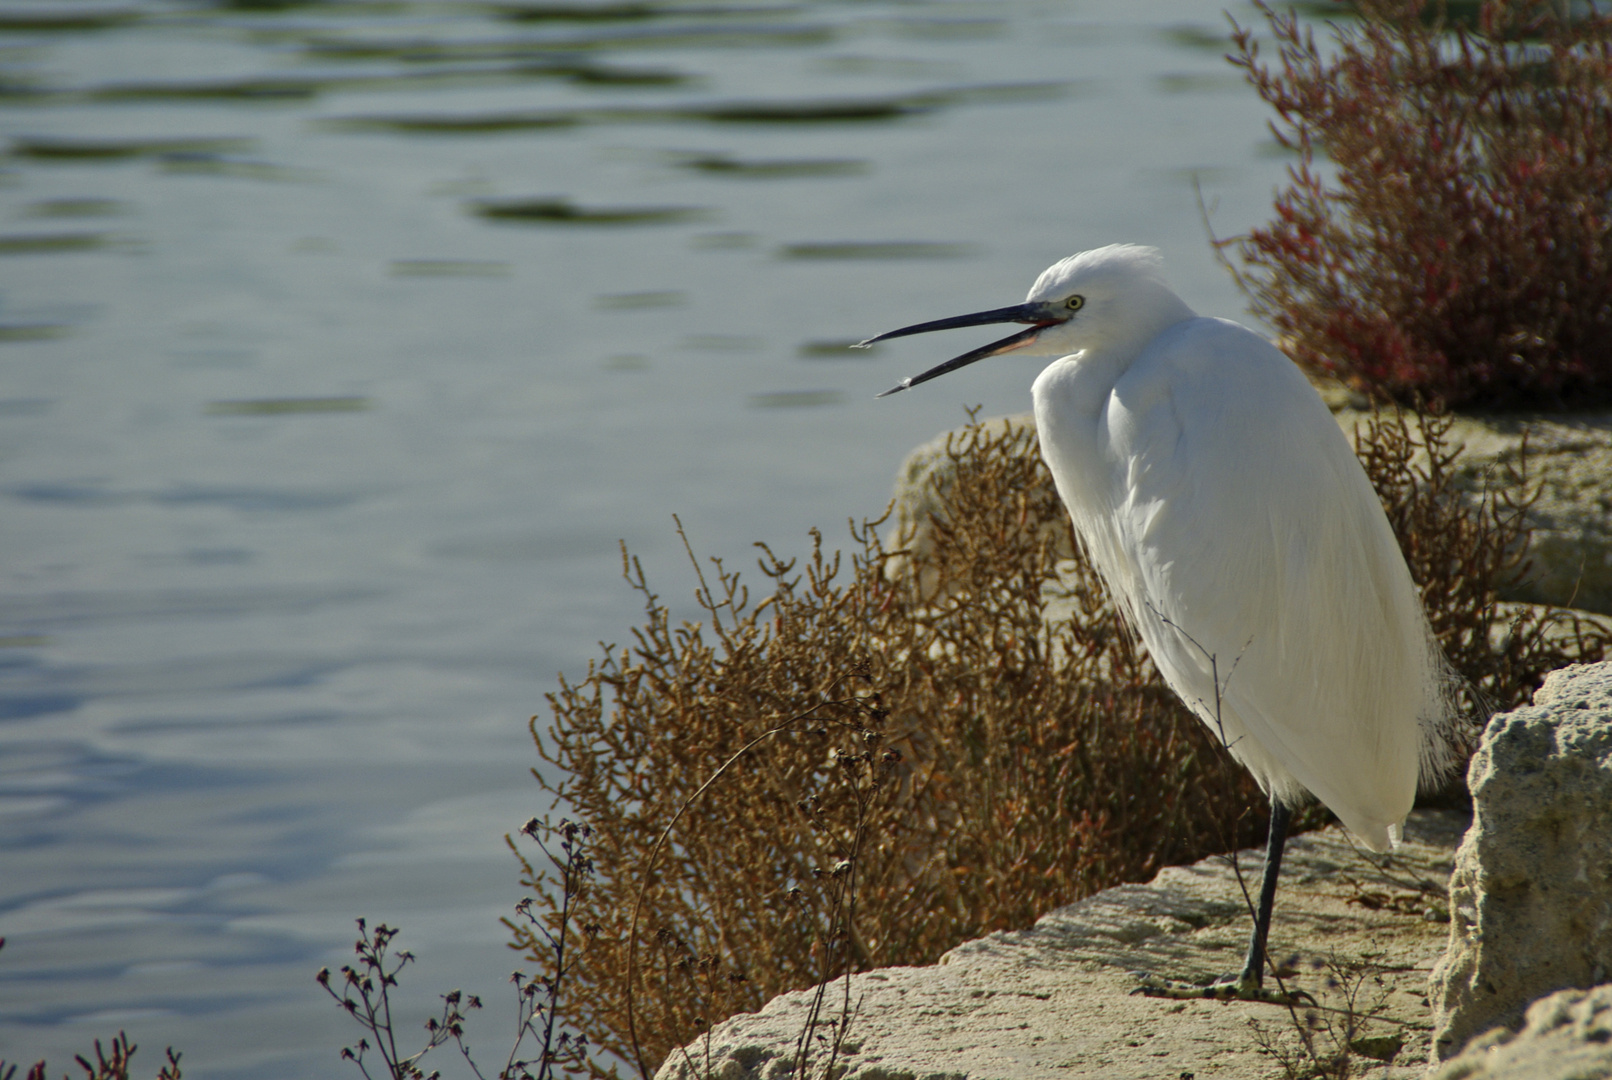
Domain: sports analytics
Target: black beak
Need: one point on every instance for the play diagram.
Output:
(1037, 315)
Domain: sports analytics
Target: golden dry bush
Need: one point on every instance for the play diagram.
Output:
(941, 763)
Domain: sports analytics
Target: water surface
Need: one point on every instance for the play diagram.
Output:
(340, 343)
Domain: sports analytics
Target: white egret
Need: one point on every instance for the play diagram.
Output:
(1239, 535)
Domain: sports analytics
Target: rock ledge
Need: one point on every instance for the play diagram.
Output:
(1055, 1001)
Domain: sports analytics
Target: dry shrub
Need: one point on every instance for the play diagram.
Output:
(1462, 250)
(1038, 764)
(943, 763)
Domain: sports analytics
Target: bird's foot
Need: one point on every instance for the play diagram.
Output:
(1230, 988)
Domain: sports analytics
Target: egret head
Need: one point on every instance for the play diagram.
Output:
(1104, 297)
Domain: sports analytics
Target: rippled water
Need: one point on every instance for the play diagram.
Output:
(340, 343)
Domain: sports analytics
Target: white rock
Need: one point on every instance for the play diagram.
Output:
(1054, 1001)
(1531, 896)
(1567, 1036)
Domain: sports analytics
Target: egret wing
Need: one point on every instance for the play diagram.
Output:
(1263, 575)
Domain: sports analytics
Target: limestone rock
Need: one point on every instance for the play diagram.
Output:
(1054, 1001)
(1567, 1036)
(1570, 459)
(1531, 896)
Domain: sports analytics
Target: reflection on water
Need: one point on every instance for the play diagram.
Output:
(288, 406)
(1192, 36)
(483, 124)
(86, 207)
(877, 249)
(29, 332)
(843, 349)
(53, 243)
(239, 168)
(342, 341)
(565, 212)
(66, 148)
(63, 20)
(636, 300)
(796, 399)
(723, 165)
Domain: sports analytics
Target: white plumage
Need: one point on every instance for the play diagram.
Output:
(1226, 511)
(1217, 497)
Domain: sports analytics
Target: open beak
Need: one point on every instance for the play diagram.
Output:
(1038, 315)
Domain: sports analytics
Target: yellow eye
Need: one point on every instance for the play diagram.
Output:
(1075, 303)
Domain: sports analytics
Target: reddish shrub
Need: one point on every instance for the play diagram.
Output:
(1461, 249)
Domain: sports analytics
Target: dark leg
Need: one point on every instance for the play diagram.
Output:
(1253, 976)
(1248, 986)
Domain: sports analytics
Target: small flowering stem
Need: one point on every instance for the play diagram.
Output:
(365, 994)
(575, 868)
